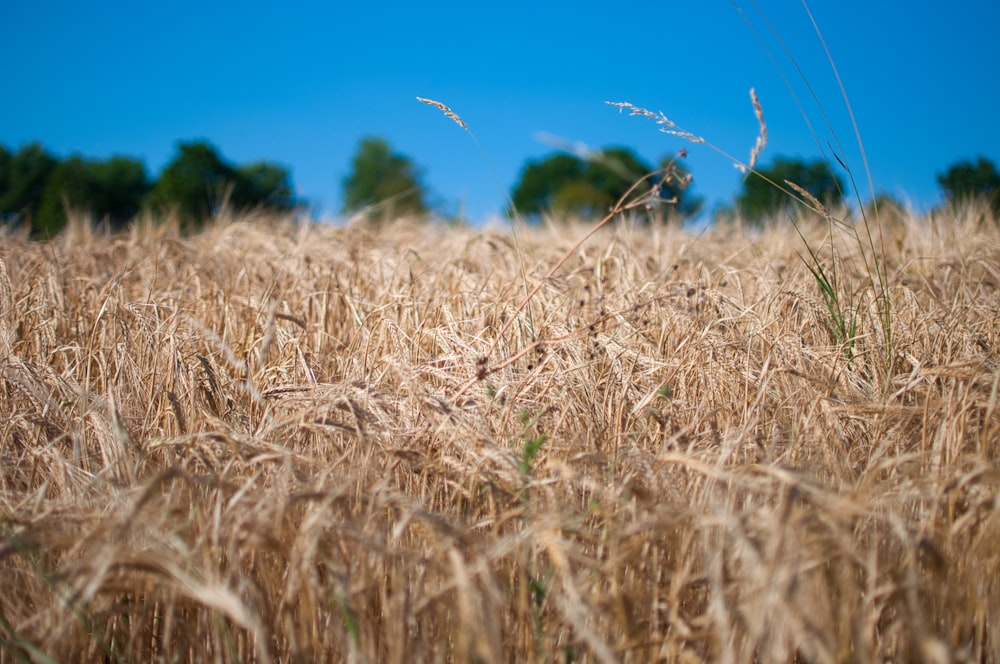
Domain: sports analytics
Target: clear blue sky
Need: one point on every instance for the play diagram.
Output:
(300, 83)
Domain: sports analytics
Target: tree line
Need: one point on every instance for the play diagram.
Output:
(386, 184)
(39, 189)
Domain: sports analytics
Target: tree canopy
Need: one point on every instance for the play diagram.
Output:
(194, 182)
(110, 191)
(265, 184)
(198, 182)
(38, 188)
(383, 182)
(23, 175)
(764, 196)
(564, 183)
(966, 180)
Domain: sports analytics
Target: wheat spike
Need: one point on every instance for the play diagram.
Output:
(444, 109)
(758, 147)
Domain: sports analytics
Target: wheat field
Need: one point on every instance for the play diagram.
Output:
(281, 442)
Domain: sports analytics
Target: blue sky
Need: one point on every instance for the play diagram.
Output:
(300, 83)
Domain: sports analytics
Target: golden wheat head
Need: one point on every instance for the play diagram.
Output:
(444, 109)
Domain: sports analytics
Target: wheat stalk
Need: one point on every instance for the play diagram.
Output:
(682, 466)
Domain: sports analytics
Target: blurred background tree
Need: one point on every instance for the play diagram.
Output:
(382, 183)
(23, 175)
(264, 184)
(109, 191)
(193, 183)
(198, 182)
(38, 188)
(761, 198)
(540, 181)
(966, 180)
(567, 184)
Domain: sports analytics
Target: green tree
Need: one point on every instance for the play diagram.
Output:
(111, 191)
(266, 185)
(381, 178)
(966, 180)
(762, 195)
(567, 184)
(23, 175)
(194, 183)
(541, 180)
(123, 185)
(199, 181)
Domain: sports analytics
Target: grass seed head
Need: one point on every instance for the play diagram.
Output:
(444, 109)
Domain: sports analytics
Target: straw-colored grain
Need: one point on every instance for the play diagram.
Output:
(272, 441)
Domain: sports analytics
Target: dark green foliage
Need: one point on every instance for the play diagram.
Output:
(966, 180)
(22, 181)
(541, 180)
(37, 187)
(613, 171)
(764, 191)
(194, 183)
(264, 184)
(198, 182)
(381, 178)
(569, 185)
(110, 191)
